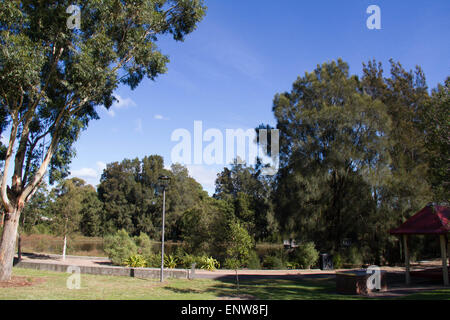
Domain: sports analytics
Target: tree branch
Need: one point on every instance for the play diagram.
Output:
(12, 139)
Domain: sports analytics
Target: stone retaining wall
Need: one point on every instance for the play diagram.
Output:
(108, 270)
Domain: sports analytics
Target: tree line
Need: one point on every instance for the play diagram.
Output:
(358, 156)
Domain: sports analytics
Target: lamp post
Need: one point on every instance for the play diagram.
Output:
(164, 182)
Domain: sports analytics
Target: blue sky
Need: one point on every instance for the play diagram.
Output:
(226, 72)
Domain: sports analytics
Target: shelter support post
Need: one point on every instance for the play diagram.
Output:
(443, 241)
(407, 266)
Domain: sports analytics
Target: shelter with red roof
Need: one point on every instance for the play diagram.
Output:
(431, 220)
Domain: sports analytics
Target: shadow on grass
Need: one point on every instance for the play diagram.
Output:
(280, 288)
(184, 290)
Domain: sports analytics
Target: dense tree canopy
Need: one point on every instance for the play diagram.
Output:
(129, 191)
(355, 153)
(358, 155)
(52, 77)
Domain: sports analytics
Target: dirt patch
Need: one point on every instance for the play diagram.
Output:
(17, 281)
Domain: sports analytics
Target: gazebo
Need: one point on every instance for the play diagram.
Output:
(431, 220)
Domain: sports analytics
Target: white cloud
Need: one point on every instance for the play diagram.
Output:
(160, 117)
(84, 173)
(121, 103)
(206, 177)
(90, 175)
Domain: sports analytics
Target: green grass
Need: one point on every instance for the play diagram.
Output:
(97, 287)
(443, 294)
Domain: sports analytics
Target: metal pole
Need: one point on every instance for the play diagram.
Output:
(162, 238)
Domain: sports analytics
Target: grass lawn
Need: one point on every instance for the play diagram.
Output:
(52, 285)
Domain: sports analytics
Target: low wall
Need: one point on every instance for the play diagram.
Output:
(107, 270)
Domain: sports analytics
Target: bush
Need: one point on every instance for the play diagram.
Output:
(186, 260)
(306, 255)
(292, 265)
(338, 260)
(253, 261)
(41, 228)
(119, 247)
(136, 261)
(153, 260)
(355, 257)
(170, 261)
(273, 262)
(144, 244)
(208, 263)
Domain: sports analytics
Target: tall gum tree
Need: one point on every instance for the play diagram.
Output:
(53, 77)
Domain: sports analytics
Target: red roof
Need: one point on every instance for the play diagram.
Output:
(432, 219)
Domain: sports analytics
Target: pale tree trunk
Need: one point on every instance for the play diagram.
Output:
(8, 243)
(64, 248)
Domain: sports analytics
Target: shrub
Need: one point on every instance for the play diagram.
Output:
(153, 260)
(338, 260)
(253, 261)
(355, 257)
(232, 263)
(170, 261)
(119, 247)
(41, 228)
(306, 255)
(273, 262)
(186, 260)
(144, 244)
(136, 261)
(208, 263)
(292, 265)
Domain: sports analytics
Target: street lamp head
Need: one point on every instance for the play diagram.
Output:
(164, 181)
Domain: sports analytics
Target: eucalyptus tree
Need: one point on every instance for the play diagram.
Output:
(52, 77)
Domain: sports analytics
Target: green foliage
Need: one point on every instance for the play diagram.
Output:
(91, 212)
(127, 190)
(239, 245)
(332, 154)
(66, 206)
(338, 260)
(136, 261)
(186, 260)
(119, 247)
(306, 255)
(208, 263)
(144, 244)
(37, 209)
(41, 228)
(292, 265)
(203, 227)
(248, 192)
(170, 261)
(153, 260)
(273, 263)
(355, 258)
(436, 124)
(52, 78)
(253, 261)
